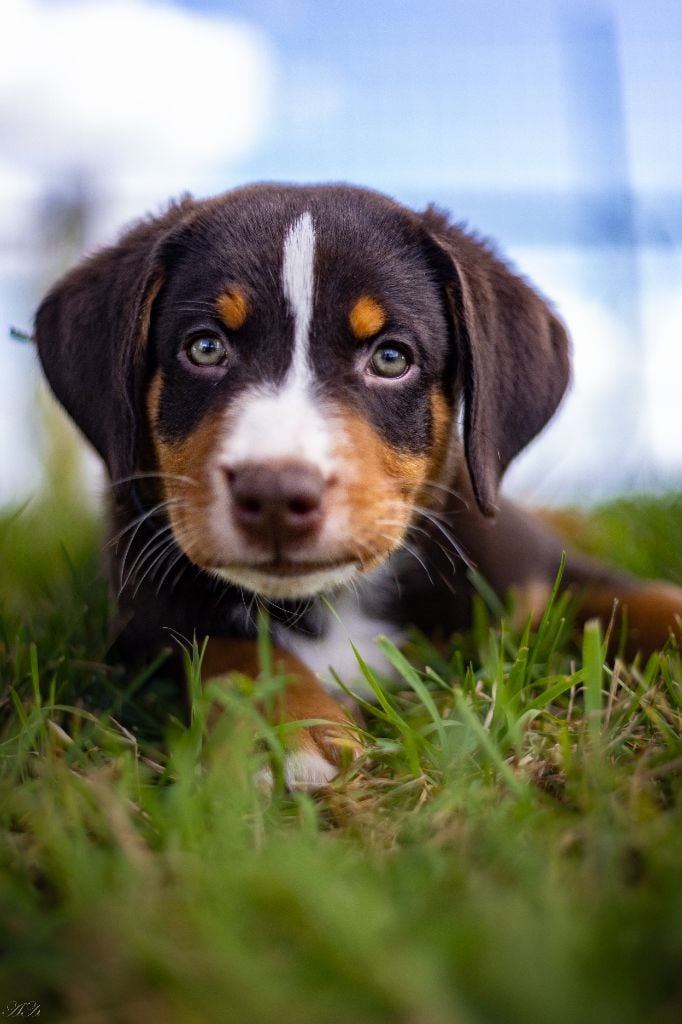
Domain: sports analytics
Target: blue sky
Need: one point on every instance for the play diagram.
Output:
(554, 126)
(473, 96)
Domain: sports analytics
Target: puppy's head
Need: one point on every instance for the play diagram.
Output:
(303, 368)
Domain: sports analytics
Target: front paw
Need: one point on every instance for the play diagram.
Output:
(314, 755)
(317, 755)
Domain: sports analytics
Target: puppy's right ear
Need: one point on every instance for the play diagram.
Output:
(92, 332)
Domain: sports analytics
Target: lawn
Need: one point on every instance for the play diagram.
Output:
(510, 849)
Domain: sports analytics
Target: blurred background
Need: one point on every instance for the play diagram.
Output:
(552, 126)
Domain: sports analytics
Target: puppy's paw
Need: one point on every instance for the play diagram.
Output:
(319, 755)
(314, 758)
(308, 769)
(314, 754)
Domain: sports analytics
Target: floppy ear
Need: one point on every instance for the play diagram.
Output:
(514, 352)
(92, 330)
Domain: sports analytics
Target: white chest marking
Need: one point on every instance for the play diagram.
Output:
(334, 649)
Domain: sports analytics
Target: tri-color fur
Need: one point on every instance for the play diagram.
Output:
(299, 464)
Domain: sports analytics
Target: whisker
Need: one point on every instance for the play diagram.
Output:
(447, 490)
(414, 528)
(131, 540)
(394, 575)
(456, 546)
(293, 616)
(170, 568)
(152, 545)
(152, 475)
(178, 576)
(143, 515)
(411, 551)
(156, 558)
(180, 638)
(252, 608)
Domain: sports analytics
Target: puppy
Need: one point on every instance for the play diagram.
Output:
(308, 391)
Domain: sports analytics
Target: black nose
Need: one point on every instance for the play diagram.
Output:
(276, 504)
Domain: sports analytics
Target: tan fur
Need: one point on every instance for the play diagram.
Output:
(187, 482)
(572, 524)
(367, 317)
(379, 488)
(374, 493)
(154, 398)
(233, 308)
(303, 698)
(441, 433)
(529, 603)
(146, 311)
(652, 612)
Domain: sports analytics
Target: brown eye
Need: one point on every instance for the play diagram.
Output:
(389, 361)
(207, 351)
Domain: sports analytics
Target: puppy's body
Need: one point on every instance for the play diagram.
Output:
(314, 392)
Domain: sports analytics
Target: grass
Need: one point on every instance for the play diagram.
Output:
(509, 850)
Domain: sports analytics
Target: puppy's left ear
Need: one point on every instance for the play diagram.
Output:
(514, 353)
(91, 331)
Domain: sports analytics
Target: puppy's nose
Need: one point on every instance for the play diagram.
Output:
(279, 503)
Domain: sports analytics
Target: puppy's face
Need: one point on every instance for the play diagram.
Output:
(301, 387)
(289, 360)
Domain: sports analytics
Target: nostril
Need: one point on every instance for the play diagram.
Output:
(250, 494)
(303, 506)
(251, 506)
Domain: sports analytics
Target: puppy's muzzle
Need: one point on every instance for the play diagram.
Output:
(277, 506)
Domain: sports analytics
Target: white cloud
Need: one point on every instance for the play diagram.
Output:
(663, 377)
(117, 90)
(130, 101)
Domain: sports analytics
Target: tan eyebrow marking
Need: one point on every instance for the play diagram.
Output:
(233, 308)
(367, 317)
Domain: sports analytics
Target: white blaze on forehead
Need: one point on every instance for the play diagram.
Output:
(288, 421)
(298, 282)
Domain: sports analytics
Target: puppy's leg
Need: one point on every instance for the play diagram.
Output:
(517, 551)
(315, 754)
(651, 610)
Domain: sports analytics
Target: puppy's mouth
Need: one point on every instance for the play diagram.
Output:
(283, 578)
(288, 567)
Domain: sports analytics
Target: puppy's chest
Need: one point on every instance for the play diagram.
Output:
(348, 622)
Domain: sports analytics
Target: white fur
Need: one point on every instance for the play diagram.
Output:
(306, 769)
(280, 424)
(303, 769)
(298, 282)
(333, 649)
(276, 587)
